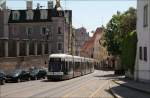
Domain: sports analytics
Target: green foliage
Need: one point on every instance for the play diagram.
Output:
(128, 54)
(120, 39)
(112, 35)
(118, 28)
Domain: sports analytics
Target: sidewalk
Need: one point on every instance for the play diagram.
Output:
(125, 88)
(139, 86)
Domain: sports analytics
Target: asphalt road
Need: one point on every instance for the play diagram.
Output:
(124, 92)
(91, 85)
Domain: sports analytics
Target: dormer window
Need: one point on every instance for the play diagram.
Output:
(67, 17)
(29, 14)
(43, 14)
(16, 15)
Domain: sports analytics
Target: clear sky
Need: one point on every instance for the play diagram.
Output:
(88, 13)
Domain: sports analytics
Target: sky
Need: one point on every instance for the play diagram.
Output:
(87, 13)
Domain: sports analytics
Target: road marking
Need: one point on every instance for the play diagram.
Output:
(92, 95)
(70, 93)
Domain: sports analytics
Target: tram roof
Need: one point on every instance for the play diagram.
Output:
(59, 56)
(70, 57)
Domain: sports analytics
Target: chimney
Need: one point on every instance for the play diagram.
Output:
(38, 6)
(29, 4)
(50, 4)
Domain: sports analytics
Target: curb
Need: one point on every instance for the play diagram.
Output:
(113, 92)
(133, 88)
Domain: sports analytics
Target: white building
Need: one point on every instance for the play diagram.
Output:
(142, 68)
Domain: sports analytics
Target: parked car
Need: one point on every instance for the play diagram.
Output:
(2, 77)
(18, 75)
(34, 74)
(38, 73)
(42, 73)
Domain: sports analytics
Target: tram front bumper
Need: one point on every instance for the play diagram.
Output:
(55, 75)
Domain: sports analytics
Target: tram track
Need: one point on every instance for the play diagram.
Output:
(18, 88)
(75, 90)
(85, 86)
(36, 86)
(54, 91)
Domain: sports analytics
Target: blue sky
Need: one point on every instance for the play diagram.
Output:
(89, 13)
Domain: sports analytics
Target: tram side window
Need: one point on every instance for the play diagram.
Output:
(87, 65)
(75, 66)
(70, 66)
(78, 66)
(82, 67)
(65, 67)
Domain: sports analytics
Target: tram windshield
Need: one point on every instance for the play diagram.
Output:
(55, 65)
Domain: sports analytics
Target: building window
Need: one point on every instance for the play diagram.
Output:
(29, 31)
(43, 14)
(46, 48)
(145, 53)
(15, 16)
(39, 48)
(59, 30)
(29, 15)
(145, 16)
(59, 46)
(60, 13)
(140, 53)
(43, 30)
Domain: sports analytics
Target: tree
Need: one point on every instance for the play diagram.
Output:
(118, 30)
(112, 35)
(128, 54)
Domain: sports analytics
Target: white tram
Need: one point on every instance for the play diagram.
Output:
(63, 66)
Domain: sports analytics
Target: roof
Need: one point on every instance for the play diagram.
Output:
(88, 45)
(37, 14)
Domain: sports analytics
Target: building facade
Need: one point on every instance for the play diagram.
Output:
(81, 36)
(34, 32)
(142, 66)
(93, 48)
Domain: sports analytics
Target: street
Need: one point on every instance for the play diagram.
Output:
(95, 85)
(92, 85)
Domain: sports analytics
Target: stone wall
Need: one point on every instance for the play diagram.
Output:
(10, 63)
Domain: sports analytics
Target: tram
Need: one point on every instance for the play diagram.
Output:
(63, 66)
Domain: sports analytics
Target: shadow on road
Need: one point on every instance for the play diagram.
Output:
(125, 92)
(51, 80)
(108, 76)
